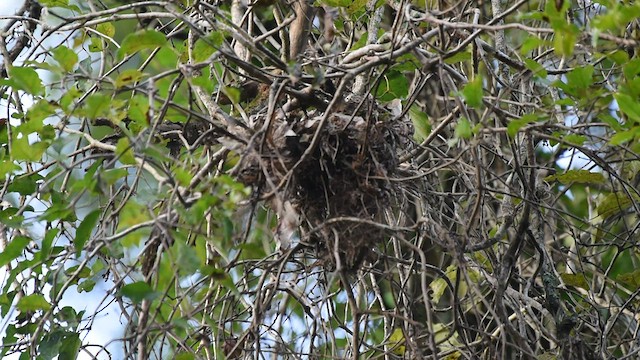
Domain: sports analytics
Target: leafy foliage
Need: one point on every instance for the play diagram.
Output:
(419, 179)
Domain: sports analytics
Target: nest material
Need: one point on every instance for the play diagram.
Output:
(344, 179)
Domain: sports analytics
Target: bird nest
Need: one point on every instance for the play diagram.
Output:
(338, 184)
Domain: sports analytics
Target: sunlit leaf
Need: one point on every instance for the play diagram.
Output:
(397, 342)
(458, 57)
(107, 29)
(575, 280)
(54, 3)
(26, 79)
(205, 47)
(472, 92)
(463, 129)
(22, 149)
(96, 44)
(577, 176)
(66, 57)
(615, 203)
(127, 77)
(622, 137)
(33, 302)
(581, 77)
(125, 151)
(146, 39)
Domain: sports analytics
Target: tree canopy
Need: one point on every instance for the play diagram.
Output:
(320, 180)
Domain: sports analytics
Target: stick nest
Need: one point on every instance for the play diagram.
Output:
(340, 182)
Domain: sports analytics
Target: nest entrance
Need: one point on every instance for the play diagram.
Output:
(344, 179)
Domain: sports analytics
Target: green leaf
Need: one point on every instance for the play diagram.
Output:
(145, 39)
(7, 167)
(54, 3)
(438, 286)
(529, 44)
(205, 47)
(620, 57)
(564, 40)
(69, 98)
(615, 203)
(463, 129)
(125, 151)
(536, 68)
(25, 185)
(185, 356)
(97, 106)
(107, 29)
(357, 5)
(472, 92)
(84, 230)
(47, 242)
(575, 280)
(33, 302)
(26, 79)
(9, 218)
(629, 106)
(336, 3)
(59, 210)
(127, 77)
(13, 249)
(631, 279)
(23, 150)
(578, 176)
(397, 342)
(420, 121)
(574, 139)
(138, 111)
(86, 286)
(66, 57)
(183, 176)
(580, 78)
(458, 57)
(622, 137)
(515, 125)
(111, 176)
(394, 85)
(631, 69)
(36, 114)
(70, 346)
(138, 291)
(96, 44)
